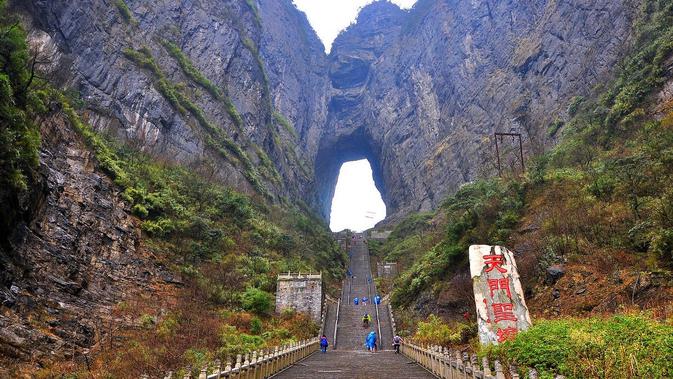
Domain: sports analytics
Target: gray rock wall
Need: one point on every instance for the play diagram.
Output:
(302, 293)
(422, 91)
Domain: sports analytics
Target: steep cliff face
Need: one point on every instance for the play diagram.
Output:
(246, 75)
(418, 92)
(75, 261)
(423, 91)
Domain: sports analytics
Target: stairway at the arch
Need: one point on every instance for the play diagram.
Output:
(350, 359)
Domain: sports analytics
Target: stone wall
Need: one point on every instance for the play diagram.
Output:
(301, 292)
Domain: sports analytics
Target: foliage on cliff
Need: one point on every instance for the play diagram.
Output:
(20, 104)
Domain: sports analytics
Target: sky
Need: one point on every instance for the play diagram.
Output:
(329, 17)
(357, 204)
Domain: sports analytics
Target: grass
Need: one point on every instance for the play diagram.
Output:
(192, 72)
(285, 123)
(125, 12)
(216, 137)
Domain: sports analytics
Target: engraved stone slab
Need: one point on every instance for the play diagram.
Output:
(501, 307)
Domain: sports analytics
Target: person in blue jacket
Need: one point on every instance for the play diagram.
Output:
(323, 343)
(370, 341)
(356, 301)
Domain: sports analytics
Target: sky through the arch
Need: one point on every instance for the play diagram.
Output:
(329, 17)
(357, 204)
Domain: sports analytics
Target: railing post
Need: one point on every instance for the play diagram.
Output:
(487, 368)
(513, 372)
(227, 369)
(499, 374)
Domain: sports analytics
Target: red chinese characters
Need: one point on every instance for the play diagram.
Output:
(506, 334)
(502, 312)
(499, 284)
(494, 262)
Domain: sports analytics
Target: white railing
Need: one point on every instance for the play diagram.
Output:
(447, 364)
(257, 365)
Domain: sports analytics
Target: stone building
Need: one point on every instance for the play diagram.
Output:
(301, 292)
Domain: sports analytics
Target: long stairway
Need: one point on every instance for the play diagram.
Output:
(349, 359)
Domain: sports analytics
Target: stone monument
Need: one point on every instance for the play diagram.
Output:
(501, 308)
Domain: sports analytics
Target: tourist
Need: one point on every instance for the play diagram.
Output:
(323, 343)
(356, 301)
(365, 300)
(370, 341)
(366, 319)
(397, 340)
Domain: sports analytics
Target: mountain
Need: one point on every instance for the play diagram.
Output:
(190, 149)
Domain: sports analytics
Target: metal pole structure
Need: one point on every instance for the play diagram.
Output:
(497, 153)
(523, 165)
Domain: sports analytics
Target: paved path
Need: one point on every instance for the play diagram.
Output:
(350, 359)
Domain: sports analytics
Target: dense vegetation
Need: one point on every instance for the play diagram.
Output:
(20, 104)
(228, 249)
(617, 347)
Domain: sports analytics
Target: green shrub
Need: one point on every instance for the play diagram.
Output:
(19, 104)
(126, 13)
(620, 346)
(574, 105)
(257, 301)
(435, 331)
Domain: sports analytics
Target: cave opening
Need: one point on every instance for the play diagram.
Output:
(357, 203)
(337, 155)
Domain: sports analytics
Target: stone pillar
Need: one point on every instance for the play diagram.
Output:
(501, 308)
(301, 292)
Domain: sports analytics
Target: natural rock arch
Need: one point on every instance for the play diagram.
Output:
(336, 150)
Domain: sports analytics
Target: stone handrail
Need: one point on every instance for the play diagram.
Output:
(336, 325)
(378, 325)
(392, 320)
(447, 364)
(260, 364)
(323, 318)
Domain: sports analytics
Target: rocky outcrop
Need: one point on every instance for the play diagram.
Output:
(75, 261)
(261, 57)
(420, 93)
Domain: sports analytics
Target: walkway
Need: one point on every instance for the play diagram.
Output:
(350, 360)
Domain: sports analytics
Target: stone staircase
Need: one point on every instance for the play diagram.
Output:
(349, 359)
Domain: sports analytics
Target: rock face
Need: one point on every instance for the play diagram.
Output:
(74, 262)
(420, 93)
(263, 57)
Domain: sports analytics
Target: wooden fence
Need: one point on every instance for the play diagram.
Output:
(447, 364)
